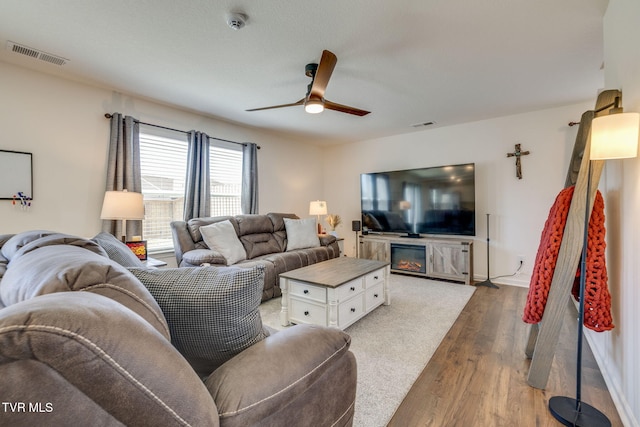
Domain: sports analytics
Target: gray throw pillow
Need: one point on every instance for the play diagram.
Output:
(117, 251)
(212, 312)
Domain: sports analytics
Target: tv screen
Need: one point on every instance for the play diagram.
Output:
(434, 200)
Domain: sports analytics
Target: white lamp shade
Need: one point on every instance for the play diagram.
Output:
(318, 207)
(122, 205)
(615, 136)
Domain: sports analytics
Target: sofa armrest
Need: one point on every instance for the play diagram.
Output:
(296, 375)
(326, 239)
(182, 241)
(89, 360)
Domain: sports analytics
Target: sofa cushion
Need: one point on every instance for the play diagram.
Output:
(117, 251)
(212, 311)
(43, 267)
(16, 242)
(222, 238)
(198, 257)
(301, 233)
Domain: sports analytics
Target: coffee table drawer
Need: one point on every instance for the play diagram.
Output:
(374, 278)
(305, 312)
(374, 296)
(350, 311)
(308, 291)
(349, 289)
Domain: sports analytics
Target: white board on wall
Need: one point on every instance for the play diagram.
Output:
(15, 174)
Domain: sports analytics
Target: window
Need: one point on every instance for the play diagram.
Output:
(163, 164)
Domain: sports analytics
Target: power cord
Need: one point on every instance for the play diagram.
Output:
(511, 275)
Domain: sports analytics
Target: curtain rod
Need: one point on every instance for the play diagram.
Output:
(108, 116)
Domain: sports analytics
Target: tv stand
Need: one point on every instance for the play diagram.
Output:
(433, 257)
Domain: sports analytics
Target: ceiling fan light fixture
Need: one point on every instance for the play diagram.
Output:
(314, 106)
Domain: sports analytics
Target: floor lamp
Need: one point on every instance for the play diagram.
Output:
(122, 205)
(614, 136)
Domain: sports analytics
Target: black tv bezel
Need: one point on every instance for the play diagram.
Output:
(422, 234)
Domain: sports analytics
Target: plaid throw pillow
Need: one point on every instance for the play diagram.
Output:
(117, 251)
(212, 312)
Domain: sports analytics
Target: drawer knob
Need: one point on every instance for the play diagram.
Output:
(353, 310)
(306, 291)
(375, 277)
(352, 288)
(375, 295)
(306, 313)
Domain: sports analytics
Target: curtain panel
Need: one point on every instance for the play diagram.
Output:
(249, 195)
(197, 193)
(123, 168)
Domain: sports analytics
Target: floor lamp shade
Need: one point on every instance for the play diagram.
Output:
(122, 205)
(615, 136)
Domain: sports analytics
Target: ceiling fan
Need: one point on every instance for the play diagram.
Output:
(314, 102)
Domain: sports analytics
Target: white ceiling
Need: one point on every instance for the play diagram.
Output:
(406, 61)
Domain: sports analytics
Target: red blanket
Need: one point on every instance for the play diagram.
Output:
(597, 299)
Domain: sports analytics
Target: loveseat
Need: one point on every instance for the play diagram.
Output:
(266, 240)
(85, 340)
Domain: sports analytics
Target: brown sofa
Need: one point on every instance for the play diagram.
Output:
(84, 342)
(264, 238)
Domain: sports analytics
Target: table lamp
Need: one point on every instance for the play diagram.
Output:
(318, 208)
(122, 205)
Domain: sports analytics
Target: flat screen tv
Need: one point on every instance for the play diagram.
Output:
(433, 200)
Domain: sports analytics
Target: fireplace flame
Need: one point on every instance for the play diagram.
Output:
(409, 265)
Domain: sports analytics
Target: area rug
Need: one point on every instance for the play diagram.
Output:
(393, 344)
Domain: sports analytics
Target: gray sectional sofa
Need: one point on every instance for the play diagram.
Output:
(85, 340)
(265, 242)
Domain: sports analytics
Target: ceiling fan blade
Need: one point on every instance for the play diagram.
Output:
(344, 108)
(278, 106)
(323, 74)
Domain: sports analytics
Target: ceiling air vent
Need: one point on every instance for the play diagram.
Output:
(419, 125)
(34, 53)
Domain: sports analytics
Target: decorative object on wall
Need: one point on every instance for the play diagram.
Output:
(22, 200)
(613, 136)
(122, 205)
(318, 207)
(16, 175)
(517, 154)
(488, 283)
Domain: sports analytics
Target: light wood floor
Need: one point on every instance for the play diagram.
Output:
(478, 375)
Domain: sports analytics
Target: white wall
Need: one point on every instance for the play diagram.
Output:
(517, 208)
(617, 351)
(62, 123)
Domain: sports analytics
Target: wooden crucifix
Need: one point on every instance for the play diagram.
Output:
(517, 154)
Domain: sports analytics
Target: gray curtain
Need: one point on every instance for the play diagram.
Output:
(197, 197)
(249, 195)
(123, 168)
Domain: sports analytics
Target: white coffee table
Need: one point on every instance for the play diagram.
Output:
(334, 293)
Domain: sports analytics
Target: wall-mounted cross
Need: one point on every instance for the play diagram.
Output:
(517, 154)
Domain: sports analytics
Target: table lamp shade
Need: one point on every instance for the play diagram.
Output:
(122, 205)
(615, 136)
(318, 207)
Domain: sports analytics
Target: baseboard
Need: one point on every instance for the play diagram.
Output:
(615, 390)
(520, 280)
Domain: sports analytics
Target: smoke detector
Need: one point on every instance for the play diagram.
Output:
(236, 20)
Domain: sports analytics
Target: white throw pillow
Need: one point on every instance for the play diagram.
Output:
(301, 233)
(222, 237)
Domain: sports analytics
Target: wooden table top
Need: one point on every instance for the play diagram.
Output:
(334, 272)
